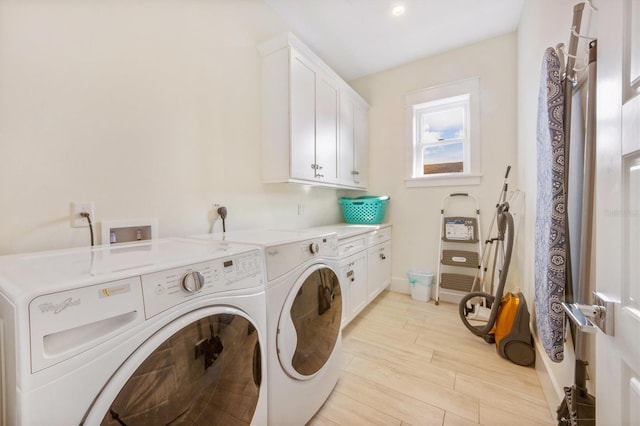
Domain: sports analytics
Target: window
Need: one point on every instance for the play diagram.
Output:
(443, 135)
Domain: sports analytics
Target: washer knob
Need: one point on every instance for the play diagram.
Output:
(192, 282)
(314, 248)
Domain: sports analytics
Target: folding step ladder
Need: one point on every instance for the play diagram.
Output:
(460, 246)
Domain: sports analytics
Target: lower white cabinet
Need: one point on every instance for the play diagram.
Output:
(364, 268)
(353, 274)
(379, 269)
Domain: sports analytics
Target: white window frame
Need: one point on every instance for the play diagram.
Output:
(442, 95)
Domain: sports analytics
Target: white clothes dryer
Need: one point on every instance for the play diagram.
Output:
(170, 331)
(304, 312)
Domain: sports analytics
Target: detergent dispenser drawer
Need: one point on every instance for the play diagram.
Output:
(67, 323)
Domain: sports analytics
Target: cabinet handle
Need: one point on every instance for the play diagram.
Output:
(382, 256)
(355, 172)
(317, 167)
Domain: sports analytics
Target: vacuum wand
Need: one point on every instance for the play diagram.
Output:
(505, 186)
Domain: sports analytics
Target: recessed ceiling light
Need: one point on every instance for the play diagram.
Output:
(398, 10)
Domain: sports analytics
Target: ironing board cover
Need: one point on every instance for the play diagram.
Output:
(550, 271)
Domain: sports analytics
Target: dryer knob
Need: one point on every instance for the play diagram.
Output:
(192, 282)
(314, 248)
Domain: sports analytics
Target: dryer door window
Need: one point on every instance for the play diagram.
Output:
(208, 372)
(309, 325)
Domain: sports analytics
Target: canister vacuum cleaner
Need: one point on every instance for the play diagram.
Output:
(506, 316)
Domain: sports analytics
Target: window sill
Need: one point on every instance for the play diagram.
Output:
(445, 180)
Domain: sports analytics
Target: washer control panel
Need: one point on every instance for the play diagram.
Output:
(192, 282)
(165, 289)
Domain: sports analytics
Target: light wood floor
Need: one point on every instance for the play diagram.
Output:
(413, 363)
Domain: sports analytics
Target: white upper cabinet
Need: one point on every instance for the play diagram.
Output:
(327, 93)
(354, 141)
(307, 136)
(303, 119)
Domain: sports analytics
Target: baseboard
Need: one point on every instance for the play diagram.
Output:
(400, 285)
(553, 376)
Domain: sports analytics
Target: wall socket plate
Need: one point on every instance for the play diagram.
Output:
(76, 208)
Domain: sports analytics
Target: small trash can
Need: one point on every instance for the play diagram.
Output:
(420, 282)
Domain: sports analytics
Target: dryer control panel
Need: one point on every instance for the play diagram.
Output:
(170, 287)
(285, 257)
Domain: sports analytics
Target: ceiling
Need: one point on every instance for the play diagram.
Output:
(361, 37)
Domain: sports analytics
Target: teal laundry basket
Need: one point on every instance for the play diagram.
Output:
(368, 209)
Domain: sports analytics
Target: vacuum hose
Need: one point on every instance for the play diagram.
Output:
(505, 229)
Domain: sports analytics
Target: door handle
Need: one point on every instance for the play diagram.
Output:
(577, 316)
(588, 318)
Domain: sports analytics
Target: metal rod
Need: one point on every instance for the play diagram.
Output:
(584, 278)
(568, 95)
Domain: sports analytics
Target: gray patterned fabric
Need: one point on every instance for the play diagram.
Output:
(550, 262)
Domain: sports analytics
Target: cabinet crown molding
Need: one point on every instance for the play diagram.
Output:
(288, 40)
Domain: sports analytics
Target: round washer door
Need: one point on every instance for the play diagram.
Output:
(205, 372)
(309, 325)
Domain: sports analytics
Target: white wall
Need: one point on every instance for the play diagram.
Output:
(147, 108)
(415, 212)
(544, 23)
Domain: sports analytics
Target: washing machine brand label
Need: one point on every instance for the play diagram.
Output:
(56, 308)
(112, 291)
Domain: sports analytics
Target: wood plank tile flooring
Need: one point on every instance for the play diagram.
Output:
(413, 363)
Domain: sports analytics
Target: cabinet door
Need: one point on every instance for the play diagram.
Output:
(379, 265)
(361, 146)
(354, 279)
(326, 129)
(303, 118)
(347, 139)
(354, 142)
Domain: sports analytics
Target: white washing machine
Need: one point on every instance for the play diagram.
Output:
(167, 331)
(304, 312)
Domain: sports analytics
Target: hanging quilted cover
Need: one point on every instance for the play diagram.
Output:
(550, 261)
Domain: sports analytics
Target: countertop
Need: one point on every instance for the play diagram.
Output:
(346, 230)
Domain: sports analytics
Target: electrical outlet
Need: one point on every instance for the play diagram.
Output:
(78, 221)
(216, 216)
(301, 209)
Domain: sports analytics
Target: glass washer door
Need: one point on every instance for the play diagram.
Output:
(310, 321)
(205, 373)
